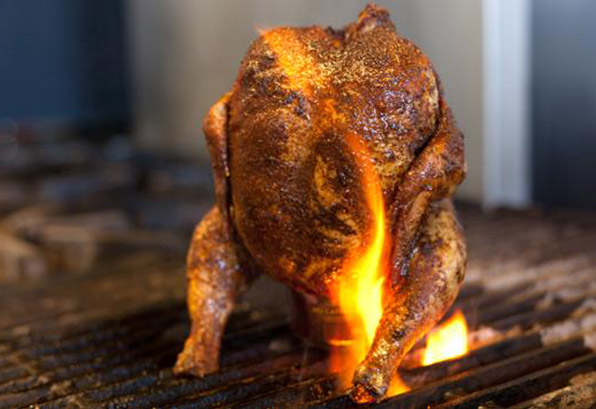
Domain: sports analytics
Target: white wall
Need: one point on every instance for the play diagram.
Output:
(506, 133)
(186, 54)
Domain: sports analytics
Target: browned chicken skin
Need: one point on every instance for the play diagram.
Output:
(289, 191)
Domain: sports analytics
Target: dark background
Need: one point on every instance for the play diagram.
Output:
(64, 62)
(564, 102)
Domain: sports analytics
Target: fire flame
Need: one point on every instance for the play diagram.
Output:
(360, 292)
(361, 289)
(447, 341)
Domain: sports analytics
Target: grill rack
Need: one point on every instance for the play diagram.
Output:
(109, 339)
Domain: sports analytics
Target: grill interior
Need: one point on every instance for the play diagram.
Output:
(106, 336)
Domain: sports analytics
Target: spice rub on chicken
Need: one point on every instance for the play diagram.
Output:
(291, 194)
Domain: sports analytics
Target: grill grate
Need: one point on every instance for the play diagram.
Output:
(109, 339)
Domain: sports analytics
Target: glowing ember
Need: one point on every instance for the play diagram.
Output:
(360, 292)
(447, 341)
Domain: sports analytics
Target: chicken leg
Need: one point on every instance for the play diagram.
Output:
(436, 270)
(215, 279)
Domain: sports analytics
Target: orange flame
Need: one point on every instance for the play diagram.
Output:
(360, 292)
(447, 341)
(361, 289)
(397, 386)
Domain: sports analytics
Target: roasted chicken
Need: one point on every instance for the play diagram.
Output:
(289, 187)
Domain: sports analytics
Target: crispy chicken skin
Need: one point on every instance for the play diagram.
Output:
(290, 201)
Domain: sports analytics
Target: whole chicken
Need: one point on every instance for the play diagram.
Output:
(311, 111)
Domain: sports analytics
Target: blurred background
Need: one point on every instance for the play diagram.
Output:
(101, 105)
(517, 72)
